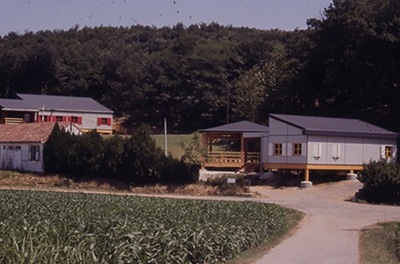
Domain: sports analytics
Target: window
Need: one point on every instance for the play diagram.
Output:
(76, 119)
(59, 118)
(277, 149)
(103, 121)
(34, 153)
(27, 118)
(296, 149)
(45, 118)
(388, 152)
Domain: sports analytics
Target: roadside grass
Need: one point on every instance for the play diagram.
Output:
(256, 253)
(378, 244)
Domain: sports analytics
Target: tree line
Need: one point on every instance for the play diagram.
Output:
(345, 64)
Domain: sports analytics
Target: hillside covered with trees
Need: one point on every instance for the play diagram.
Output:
(198, 76)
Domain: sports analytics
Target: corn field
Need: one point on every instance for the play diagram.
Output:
(52, 227)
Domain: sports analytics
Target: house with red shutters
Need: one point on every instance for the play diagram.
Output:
(84, 112)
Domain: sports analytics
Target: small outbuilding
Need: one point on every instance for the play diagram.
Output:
(21, 145)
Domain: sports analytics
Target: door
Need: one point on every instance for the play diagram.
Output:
(17, 158)
(13, 157)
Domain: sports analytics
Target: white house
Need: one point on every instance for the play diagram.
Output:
(318, 143)
(301, 143)
(21, 146)
(84, 112)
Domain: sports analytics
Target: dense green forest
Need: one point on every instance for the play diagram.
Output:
(344, 65)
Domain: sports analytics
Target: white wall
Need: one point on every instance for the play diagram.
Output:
(89, 120)
(347, 150)
(19, 160)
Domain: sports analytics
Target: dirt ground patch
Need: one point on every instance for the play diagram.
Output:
(23, 180)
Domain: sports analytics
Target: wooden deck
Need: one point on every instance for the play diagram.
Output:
(223, 159)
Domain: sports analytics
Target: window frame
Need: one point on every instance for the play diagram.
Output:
(34, 153)
(278, 149)
(297, 149)
(75, 119)
(103, 121)
(388, 152)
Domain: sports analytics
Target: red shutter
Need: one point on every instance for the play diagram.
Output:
(99, 121)
(79, 120)
(64, 119)
(108, 121)
(69, 118)
(53, 118)
(39, 118)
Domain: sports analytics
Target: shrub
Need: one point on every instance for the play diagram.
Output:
(133, 160)
(381, 181)
(56, 151)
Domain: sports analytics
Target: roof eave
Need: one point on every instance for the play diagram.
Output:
(19, 109)
(350, 134)
(75, 111)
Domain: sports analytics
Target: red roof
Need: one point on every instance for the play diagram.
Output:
(27, 132)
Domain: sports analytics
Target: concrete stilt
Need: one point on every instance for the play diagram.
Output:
(351, 176)
(306, 184)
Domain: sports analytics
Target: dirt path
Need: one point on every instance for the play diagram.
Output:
(331, 229)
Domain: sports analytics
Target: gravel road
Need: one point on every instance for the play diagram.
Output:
(330, 231)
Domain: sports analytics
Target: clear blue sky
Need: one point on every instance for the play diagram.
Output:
(34, 15)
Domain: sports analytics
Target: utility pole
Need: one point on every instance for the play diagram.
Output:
(227, 105)
(165, 137)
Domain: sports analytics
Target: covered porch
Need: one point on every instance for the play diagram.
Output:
(233, 146)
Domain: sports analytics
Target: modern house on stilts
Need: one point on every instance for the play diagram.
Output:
(301, 143)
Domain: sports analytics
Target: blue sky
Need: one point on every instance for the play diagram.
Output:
(34, 15)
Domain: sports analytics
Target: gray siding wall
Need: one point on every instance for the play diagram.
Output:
(321, 150)
(346, 151)
(281, 132)
(16, 157)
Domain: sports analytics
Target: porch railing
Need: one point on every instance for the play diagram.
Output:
(14, 120)
(232, 157)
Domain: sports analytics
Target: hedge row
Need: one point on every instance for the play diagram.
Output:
(134, 159)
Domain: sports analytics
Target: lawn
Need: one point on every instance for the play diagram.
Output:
(173, 143)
